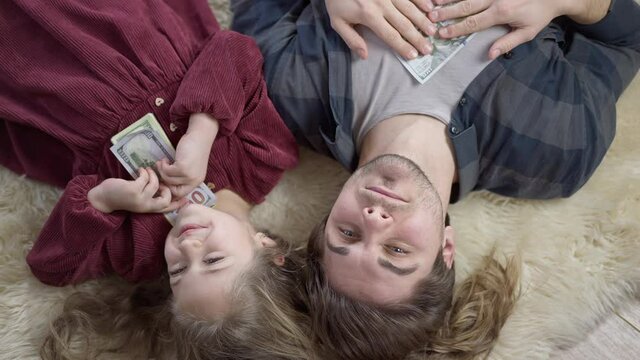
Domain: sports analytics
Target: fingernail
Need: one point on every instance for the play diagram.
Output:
(444, 31)
(432, 29)
(426, 49)
(495, 53)
(360, 53)
(413, 54)
(434, 15)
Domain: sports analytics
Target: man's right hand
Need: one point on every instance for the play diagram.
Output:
(396, 22)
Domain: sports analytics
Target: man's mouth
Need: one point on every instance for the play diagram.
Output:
(385, 192)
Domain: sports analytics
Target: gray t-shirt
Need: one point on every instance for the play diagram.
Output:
(383, 88)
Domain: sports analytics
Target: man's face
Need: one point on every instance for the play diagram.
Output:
(383, 233)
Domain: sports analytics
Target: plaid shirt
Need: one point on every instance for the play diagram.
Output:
(535, 123)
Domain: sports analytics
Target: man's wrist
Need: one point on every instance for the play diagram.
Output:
(586, 12)
(97, 200)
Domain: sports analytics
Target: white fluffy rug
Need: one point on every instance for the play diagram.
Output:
(581, 255)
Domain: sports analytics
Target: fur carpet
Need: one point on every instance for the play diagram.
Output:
(581, 255)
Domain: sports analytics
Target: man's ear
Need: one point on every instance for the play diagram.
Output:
(449, 246)
(279, 260)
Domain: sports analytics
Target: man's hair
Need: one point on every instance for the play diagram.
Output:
(121, 322)
(430, 322)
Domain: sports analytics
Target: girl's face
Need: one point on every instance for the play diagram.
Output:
(205, 252)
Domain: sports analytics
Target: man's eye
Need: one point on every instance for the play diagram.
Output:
(177, 271)
(348, 233)
(394, 250)
(211, 261)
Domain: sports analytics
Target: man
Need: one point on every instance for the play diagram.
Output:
(534, 123)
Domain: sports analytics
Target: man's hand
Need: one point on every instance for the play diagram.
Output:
(192, 156)
(525, 17)
(142, 195)
(396, 22)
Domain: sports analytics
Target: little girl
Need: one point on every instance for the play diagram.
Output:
(73, 74)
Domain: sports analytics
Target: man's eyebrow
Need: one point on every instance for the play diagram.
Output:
(397, 270)
(340, 250)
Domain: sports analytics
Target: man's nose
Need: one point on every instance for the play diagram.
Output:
(376, 216)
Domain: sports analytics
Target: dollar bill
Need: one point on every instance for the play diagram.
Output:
(424, 67)
(148, 122)
(142, 146)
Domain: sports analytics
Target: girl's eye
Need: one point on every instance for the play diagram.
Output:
(211, 261)
(177, 271)
(394, 250)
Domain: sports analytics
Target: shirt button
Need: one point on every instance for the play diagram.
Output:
(159, 101)
(454, 130)
(463, 101)
(508, 55)
(173, 127)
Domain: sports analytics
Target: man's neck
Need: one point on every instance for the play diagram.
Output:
(421, 139)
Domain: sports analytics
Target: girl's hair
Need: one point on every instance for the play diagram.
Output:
(435, 322)
(266, 321)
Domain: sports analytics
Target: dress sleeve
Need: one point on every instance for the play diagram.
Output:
(79, 243)
(254, 146)
(215, 82)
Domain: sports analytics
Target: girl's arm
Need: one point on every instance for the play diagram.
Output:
(192, 156)
(253, 146)
(79, 242)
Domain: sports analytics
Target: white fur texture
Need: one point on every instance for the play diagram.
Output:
(581, 255)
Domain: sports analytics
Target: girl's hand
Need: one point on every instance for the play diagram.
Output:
(192, 156)
(396, 22)
(142, 195)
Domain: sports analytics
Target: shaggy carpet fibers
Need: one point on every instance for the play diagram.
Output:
(581, 256)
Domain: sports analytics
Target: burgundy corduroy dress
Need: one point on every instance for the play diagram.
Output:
(75, 73)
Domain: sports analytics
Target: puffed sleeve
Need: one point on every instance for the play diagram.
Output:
(79, 243)
(215, 82)
(254, 146)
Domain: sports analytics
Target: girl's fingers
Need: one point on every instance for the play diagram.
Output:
(143, 178)
(169, 174)
(151, 188)
(174, 205)
(162, 200)
(179, 191)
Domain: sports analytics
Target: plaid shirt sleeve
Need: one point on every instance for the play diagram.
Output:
(537, 122)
